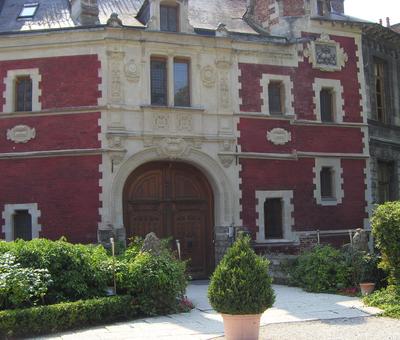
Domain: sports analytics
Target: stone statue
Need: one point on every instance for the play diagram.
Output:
(360, 240)
(152, 244)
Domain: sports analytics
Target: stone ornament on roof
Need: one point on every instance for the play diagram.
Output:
(326, 54)
(114, 21)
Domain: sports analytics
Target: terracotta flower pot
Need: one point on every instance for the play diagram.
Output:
(241, 327)
(367, 288)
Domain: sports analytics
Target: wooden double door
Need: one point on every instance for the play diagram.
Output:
(173, 200)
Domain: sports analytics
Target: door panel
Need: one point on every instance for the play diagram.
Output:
(173, 200)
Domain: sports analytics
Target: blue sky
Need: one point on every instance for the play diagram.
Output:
(373, 10)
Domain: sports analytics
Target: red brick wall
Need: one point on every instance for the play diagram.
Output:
(298, 176)
(307, 138)
(56, 132)
(66, 81)
(293, 8)
(66, 190)
(303, 78)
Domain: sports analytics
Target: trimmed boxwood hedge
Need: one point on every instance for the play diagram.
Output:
(65, 316)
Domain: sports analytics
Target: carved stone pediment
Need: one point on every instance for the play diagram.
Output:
(132, 71)
(279, 136)
(173, 148)
(21, 134)
(208, 76)
(226, 159)
(326, 54)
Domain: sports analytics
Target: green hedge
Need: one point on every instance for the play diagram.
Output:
(65, 316)
(77, 271)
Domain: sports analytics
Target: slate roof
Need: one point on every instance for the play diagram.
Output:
(55, 14)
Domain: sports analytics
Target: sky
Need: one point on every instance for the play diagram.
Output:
(373, 10)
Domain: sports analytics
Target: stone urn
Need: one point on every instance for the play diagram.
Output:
(241, 327)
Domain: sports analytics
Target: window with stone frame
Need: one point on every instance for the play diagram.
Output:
(23, 93)
(327, 184)
(273, 218)
(386, 182)
(380, 91)
(327, 105)
(276, 97)
(169, 17)
(159, 79)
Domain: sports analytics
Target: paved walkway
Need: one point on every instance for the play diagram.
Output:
(291, 305)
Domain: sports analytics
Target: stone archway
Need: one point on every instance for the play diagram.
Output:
(174, 200)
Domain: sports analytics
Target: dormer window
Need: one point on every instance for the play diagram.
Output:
(169, 17)
(28, 11)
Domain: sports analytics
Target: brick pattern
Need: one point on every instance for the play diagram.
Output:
(258, 174)
(65, 81)
(292, 8)
(307, 138)
(303, 78)
(56, 132)
(66, 190)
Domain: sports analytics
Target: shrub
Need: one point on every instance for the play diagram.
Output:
(19, 286)
(387, 299)
(240, 283)
(65, 316)
(386, 230)
(322, 269)
(156, 282)
(77, 271)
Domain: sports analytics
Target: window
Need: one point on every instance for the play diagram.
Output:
(386, 182)
(320, 8)
(23, 93)
(273, 218)
(170, 90)
(169, 18)
(326, 103)
(181, 83)
(276, 97)
(28, 11)
(22, 223)
(159, 94)
(379, 74)
(328, 181)
(326, 175)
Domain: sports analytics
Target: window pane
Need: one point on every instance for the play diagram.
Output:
(163, 18)
(320, 8)
(23, 94)
(379, 71)
(326, 182)
(181, 83)
(386, 182)
(273, 218)
(22, 225)
(326, 100)
(28, 11)
(275, 97)
(158, 82)
(169, 18)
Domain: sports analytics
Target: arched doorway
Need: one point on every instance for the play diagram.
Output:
(175, 200)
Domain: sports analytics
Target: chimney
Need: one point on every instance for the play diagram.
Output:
(388, 22)
(337, 6)
(85, 12)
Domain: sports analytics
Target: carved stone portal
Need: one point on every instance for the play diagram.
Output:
(21, 134)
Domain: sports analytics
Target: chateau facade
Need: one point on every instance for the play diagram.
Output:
(189, 118)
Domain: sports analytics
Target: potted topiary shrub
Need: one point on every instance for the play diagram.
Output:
(368, 273)
(240, 289)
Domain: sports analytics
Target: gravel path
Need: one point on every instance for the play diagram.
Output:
(364, 328)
